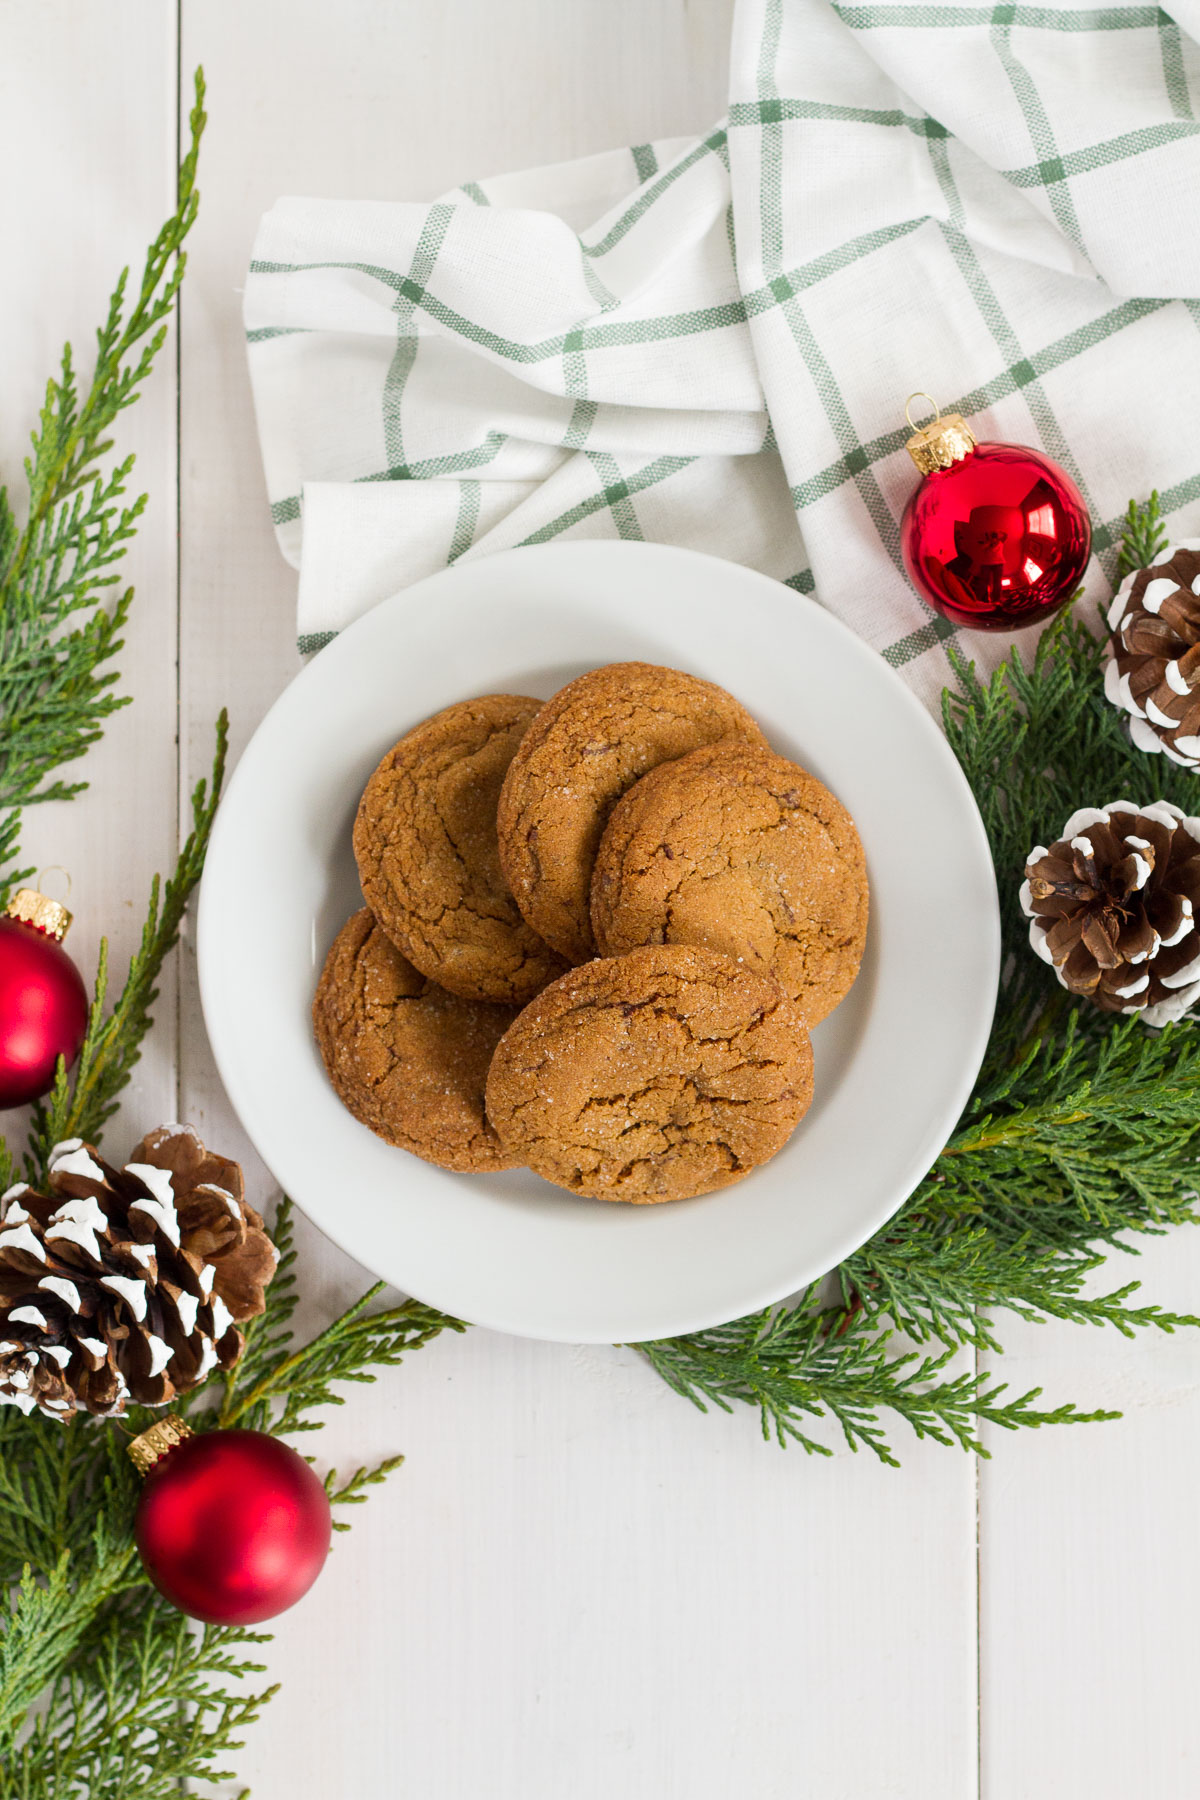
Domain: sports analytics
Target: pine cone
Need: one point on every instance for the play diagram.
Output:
(1113, 905)
(1153, 671)
(126, 1283)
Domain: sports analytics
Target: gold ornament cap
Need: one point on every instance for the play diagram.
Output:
(945, 440)
(38, 910)
(154, 1443)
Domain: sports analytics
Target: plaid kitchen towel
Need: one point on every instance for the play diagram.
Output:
(710, 342)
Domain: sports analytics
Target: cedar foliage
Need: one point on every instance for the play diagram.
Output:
(58, 567)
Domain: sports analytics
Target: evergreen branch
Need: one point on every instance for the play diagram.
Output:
(46, 1621)
(80, 1105)
(948, 1285)
(69, 443)
(811, 1362)
(55, 676)
(1144, 538)
(48, 1480)
(350, 1349)
(147, 1708)
(268, 1337)
(353, 1491)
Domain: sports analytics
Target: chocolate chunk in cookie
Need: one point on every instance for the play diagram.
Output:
(425, 843)
(587, 745)
(653, 1076)
(737, 848)
(404, 1056)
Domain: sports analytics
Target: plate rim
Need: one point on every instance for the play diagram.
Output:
(345, 645)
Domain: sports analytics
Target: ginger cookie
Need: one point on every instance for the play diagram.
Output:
(404, 1056)
(737, 848)
(588, 744)
(654, 1076)
(425, 844)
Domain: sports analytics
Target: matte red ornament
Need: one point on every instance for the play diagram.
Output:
(43, 1002)
(997, 535)
(232, 1526)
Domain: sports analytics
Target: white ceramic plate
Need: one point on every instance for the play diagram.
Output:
(894, 1064)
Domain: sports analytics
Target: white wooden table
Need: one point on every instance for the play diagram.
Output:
(577, 1588)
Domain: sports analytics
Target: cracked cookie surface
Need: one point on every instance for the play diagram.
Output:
(654, 1076)
(587, 745)
(428, 862)
(406, 1058)
(742, 850)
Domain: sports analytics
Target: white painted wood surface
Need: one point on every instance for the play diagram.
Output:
(577, 1588)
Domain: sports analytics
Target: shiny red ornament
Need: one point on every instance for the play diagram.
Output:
(996, 536)
(232, 1526)
(43, 1002)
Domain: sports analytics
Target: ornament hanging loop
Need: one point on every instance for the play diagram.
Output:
(919, 395)
(54, 869)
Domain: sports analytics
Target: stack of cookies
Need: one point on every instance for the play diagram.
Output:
(597, 934)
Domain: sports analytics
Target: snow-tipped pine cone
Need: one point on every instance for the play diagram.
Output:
(1153, 671)
(126, 1284)
(1113, 904)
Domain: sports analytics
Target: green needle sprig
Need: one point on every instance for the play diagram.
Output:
(57, 568)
